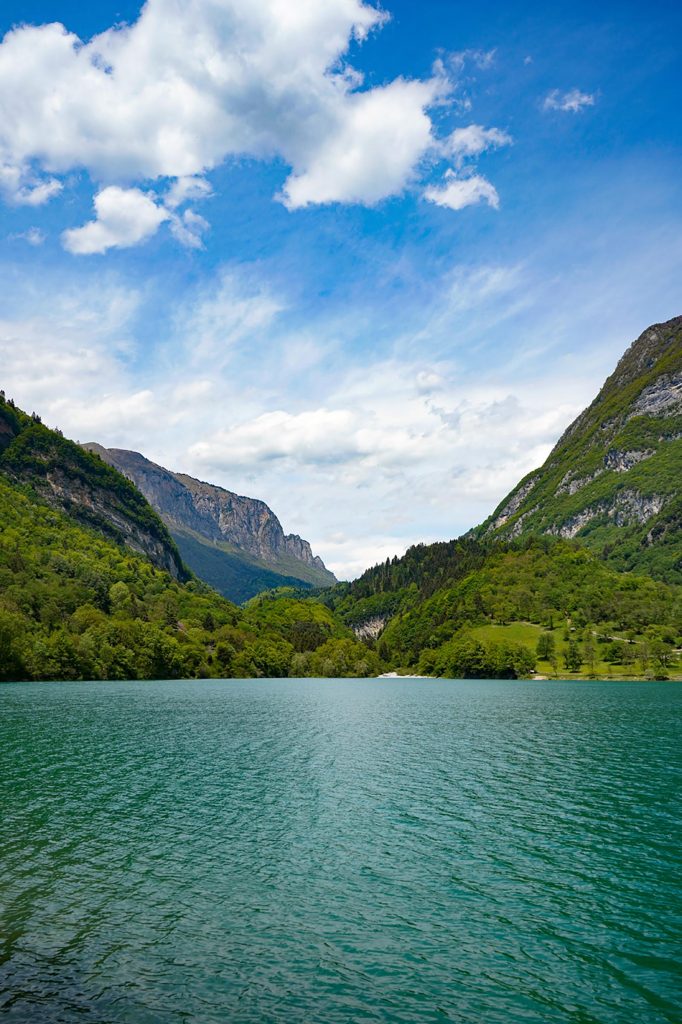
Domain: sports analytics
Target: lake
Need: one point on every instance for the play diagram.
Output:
(340, 851)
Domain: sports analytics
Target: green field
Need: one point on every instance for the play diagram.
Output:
(528, 633)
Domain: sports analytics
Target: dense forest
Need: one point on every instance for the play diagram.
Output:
(75, 605)
(93, 587)
(470, 608)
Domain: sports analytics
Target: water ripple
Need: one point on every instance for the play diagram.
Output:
(340, 851)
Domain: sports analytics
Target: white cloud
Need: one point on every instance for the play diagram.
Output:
(34, 236)
(187, 86)
(429, 381)
(64, 349)
(36, 195)
(573, 100)
(391, 453)
(372, 150)
(473, 140)
(124, 217)
(457, 193)
(317, 436)
(481, 59)
(362, 456)
(233, 308)
(479, 287)
(189, 229)
(349, 556)
(21, 187)
(184, 189)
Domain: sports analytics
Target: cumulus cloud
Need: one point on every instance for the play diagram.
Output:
(316, 436)
(473, 140)
(457, 193)
(22, 188)
(372, 149)
(572, 101)
(187, 86)
(124, 217)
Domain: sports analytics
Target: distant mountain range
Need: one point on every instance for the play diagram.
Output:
(614, 479)
(235, 543)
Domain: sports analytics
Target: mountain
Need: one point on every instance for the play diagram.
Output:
(92, 585)
(565, 563)
(66, 477)
(614, 479)
(235, 543)
(470, 608)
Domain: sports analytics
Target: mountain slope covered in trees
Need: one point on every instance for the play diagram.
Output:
(614, 479)
(471, 608)
(74, 604)
(92, 586)
(579, 567)
(66, 477)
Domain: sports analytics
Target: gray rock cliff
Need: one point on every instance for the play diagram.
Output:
(218, 515)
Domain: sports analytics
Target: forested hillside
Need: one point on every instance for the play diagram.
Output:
(63, 475)
(92, 587)
(75, 605)
(467, 608)
(614, 480)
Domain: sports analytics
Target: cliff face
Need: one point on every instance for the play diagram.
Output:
(89, 491)
(614, 479)
(247, 523)
(212, 514)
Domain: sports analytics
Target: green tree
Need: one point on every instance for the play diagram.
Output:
(662, 654)
(12, 630)
(545, 646)
(120, 599)
(613, 652)
(572, 657)
(590, 655)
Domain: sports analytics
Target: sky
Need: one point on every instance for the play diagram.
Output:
(365, 263)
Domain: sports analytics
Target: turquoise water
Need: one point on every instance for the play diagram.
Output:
(336, 851)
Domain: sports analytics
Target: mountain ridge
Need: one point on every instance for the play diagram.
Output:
(579, 566)
(234, 532)
(613, 479)
(88, 490)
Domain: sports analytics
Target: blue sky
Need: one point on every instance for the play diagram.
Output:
(363, 264)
